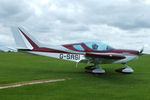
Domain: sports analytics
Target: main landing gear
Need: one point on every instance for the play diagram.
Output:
(94, 69)
(126, 70)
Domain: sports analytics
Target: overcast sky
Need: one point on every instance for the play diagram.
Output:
(120, 23)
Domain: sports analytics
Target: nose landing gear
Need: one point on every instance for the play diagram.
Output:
(126, 70)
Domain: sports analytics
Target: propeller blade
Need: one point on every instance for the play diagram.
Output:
(141, 51)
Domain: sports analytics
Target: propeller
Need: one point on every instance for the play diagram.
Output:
(141, 51)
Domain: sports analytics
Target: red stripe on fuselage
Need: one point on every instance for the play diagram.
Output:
(49, 50)
(43, 49)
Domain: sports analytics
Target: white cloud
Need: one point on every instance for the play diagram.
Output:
(121, 23)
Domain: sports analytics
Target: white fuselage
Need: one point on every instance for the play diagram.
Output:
(76, 57)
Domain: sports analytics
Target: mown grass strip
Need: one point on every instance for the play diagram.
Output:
(18, 84)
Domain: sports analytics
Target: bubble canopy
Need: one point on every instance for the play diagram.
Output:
(94, 45)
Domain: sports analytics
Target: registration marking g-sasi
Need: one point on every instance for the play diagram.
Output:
(69, 56)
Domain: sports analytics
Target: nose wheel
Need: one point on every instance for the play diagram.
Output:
(126, 70)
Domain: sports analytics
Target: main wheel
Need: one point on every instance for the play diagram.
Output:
(94, 70)
(89, 69)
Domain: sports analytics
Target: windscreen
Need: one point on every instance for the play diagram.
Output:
(98, 46)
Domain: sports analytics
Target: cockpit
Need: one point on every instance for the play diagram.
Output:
(97, 46)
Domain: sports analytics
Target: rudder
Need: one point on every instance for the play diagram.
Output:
(23, 39)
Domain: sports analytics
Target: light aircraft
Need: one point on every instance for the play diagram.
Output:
(85, 52)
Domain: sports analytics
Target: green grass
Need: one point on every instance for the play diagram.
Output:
(17, 67)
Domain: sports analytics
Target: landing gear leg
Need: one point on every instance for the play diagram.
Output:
(96, 69)
(126, 70)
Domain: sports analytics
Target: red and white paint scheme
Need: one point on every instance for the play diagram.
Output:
(85, 52)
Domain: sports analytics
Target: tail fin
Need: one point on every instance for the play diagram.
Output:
(23, 39)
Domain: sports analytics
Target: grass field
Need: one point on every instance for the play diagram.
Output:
(18, 67)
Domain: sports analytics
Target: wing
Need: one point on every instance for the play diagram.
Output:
(102, 58)
(106, 56)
